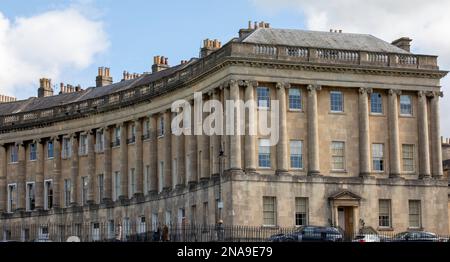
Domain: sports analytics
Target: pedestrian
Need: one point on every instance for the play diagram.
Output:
(119, 233)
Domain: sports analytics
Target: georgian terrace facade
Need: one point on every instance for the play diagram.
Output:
(359, 140)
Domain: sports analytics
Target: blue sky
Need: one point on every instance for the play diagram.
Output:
(138, 30)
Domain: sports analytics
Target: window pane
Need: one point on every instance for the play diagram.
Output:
(377, 157)
(376, 103)
(405, 105)
(295, 101)
(414, 213)
(264, 153)
(296, 154)
(336, 103)
(408, 157)
(263, 97)
(384, 213)
(269, 211)
(301, 211)
(338, 156)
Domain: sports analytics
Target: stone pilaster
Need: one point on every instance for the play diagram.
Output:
(394, 143)
(123, 160)
(174, 157)
(235, 139)
(364, 132)
(39, 179)
(56, 175)
(180, 154)
(282, 146)
(313, 130)
(91, 167)
(139, 159)
(21, 177)
(74, 171)
(424, 146)
(436, 159)
(3, 171)
(167, 183)
(107, 165)
(153, 155)
(250, 125)
(191, 151)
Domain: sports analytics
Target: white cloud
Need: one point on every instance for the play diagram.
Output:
(426, 22)
(45, 45)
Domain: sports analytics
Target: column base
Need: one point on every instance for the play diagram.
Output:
(180, 187)
(281, 172)
(438, 177)
(192, 184)
(394, 175)
(138, 197)
(424, 176)
(314, 173)
(365, 174)
(250, 170)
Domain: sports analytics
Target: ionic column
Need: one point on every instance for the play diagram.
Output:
(203, 146)
(167, 183)
(394, 143)
(56, 174)
(364, 133)
(91, 166)
(250, 126)
(39, 183)
(180, 155)
(235, 139)
(74, 171)
(139, 159)
(153, 155)
(435, 135)
(21, 177)
(124, 160)
(282, 150)
(424, 146)
(313, 130)
(215, 140)
(107, 165)
(191, 151)
(225, 139)
(3, 171)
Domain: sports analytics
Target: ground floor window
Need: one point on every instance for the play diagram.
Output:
(384, 217)
(301, 211)
(415, 214)
(269, 211)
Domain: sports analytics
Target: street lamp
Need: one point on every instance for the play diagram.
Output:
(219, 203)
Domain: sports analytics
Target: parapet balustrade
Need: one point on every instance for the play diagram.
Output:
(232, 50)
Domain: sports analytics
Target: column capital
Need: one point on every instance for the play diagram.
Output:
(232, 82)
(38, 140)
(56, 138)
(280, 85)
(436, 94)
(314, 87)
(248, 83)
(394, 92)
(421, 93)
(19, 143)
(366, 90)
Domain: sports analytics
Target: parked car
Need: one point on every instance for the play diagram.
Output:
(417, 236)
(366, 238)
(310, 234)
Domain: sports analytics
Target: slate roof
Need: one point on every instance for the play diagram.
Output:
(331, 40)
(35, 103)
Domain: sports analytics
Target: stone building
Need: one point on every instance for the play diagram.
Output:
(359, 140)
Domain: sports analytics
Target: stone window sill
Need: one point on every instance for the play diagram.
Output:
(336, 113)
(296, 110)
(339, 171)
(406, 116)
(377, 114)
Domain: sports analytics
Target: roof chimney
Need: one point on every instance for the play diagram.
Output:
(209, 46)
(45, 88)
(403, 43)
(246, 31)
(103, 78)
(6, 99)
(160, 63)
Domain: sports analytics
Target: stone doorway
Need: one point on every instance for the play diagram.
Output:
(345, 212)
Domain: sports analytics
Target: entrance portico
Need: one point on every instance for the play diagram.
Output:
(345, 211)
